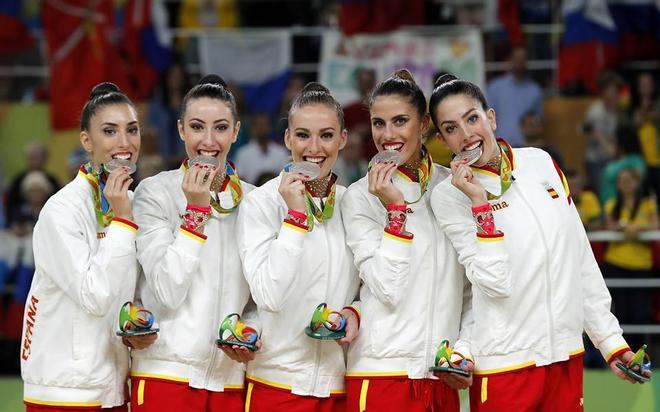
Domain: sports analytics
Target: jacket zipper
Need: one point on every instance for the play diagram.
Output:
(214, 349)
(434, 275)
(317, 359)
(548, 290)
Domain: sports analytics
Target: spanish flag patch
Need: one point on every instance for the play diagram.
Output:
(551, 190)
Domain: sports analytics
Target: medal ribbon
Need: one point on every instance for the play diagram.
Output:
(505, 170)
(232, 183)
(102, 209)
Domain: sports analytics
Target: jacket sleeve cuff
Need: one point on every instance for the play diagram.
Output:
(123, 232)
(491, 243)
(189, 242)
(355, 309)
(396, 245)
(612, 347)
(292, 234)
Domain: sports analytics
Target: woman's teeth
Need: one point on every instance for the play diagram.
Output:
(316, 160)
(472, 145)
(212, 153)
(392, 146)
(122, 156)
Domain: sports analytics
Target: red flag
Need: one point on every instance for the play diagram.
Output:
(137, 23)
(14, 36)
(80, 55)
(509, 16)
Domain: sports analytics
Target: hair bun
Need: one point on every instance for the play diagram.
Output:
(213, 79)
(314, 87)
(404, 74)
(103, 88)
(445, 78)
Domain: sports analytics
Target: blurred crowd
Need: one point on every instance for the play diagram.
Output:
(617, 188)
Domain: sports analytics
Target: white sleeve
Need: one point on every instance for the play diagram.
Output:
(382, 259)
(485, 259)
(467, 322)
(169, 260)
(63, 254)
(270, 250)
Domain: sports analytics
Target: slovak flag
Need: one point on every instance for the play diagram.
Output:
(601, 33)
(258, 61)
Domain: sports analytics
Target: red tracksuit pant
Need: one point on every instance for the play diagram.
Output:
(400, 394)
(551, 388)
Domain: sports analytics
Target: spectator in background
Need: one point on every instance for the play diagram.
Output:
(586, 201)
(293, 88)
(630, 213)
(646, 115)
(531, 128)
(77, 157)
(512, 95)
(35, 189)
(165, 110)
(261, 154)
(351, 166)
(150, 162)
(356, 114)
(600, 128)
(628, 156)
(36, 156)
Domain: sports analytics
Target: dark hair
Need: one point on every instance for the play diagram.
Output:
(618, 205)
(450, 85)
(103, 94)
(316, 93)
(401, 83)
(213, 87)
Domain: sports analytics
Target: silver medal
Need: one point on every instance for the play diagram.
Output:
(115, 164)
(471, 155)
(387, 156)
(204, 160)
(308, 169)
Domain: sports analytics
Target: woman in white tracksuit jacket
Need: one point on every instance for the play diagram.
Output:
(414, 293)
(86, 268)
(536, 285)
(295, 257)
(192, 271)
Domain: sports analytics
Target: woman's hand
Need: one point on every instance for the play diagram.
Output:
(140, 342)
(352, 327)
(197, 184)
(240, 353)
(292, 190)
(380, 183)
(463, 179)
(116, 193)
(624, 358)
(456, 381)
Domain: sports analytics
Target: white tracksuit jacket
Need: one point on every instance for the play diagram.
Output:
(537, 287)
(190, 284)
(290, 272)
(70, 355)
(414, 293)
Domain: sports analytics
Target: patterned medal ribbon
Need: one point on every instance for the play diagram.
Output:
(96, 181)
(325, 212)
(232, 183)
(505, 171)
(424, 174)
